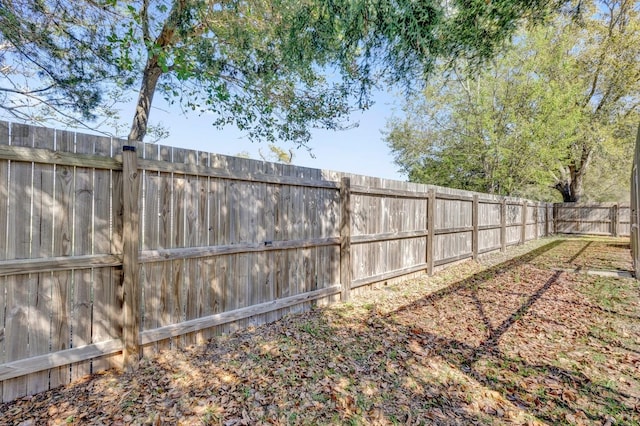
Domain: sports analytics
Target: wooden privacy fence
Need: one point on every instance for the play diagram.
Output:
(610, 219)
(106, 252)
(635, 208)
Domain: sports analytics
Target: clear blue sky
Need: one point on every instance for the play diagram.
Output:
(360, 150)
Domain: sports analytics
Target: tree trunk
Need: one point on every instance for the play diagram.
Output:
(576, 185)
(150, 77)
(571, 184)
(571, 190)
(152, 70)
(565, 190)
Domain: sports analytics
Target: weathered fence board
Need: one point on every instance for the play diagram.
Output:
(222, 243)
(42, 212)
(593, 219)
(634, 208)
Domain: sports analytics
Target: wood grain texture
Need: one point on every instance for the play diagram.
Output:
(345, 238)
(191, 326)
(41, 195)
(150, 219)
(19, 288)
(634, 212)
(107, 309)
(60, 157)
(431, 218)
(83, 239)
(61, 263)
(184, 253)
(475, 231)
(61, 358)
(130, 269)
(4, 202)
(217, 172)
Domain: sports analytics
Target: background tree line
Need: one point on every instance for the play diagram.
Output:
(552, 117)
(492, 107)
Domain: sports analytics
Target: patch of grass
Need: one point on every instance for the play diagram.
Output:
(211, 416)
(605, 292)
(617, 410)
(310, 328)
(598, 357)
(355, 420)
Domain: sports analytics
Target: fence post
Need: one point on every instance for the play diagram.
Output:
(345, 238)
(431, 224)
(503, 225)
(523, 235)
(130, 282)
(615, 220)
(634, 209)
(475, 233)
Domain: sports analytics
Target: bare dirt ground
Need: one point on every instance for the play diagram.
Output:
(514, 339)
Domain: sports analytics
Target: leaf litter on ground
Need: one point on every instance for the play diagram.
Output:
(506, 340)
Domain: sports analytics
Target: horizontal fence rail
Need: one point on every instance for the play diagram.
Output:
(114, 251)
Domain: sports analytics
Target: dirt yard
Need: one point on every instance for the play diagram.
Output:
(523, 338)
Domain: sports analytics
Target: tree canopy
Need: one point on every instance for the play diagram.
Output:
(273, 68)
(555, 113)
(53, 61)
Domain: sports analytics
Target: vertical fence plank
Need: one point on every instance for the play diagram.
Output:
(634, 211)
(615, 220)
(191, 239)
(82, 245)
(18, 247)
(202, 239)
(41, 247)
(503, 225)
(62, 280)
(150, 217)
(546, 220)
(474, 222)
(523, 235)
(165, 240)
(106, 308)
(4, 199)
(267, 233)
(180, 277)
(431, 229)
(345, 238)
(534, 218)
(215, 230)
(131, 285)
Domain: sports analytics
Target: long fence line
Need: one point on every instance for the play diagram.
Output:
(112, 250)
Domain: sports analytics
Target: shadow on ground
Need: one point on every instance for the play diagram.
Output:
(515, 343)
